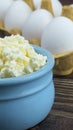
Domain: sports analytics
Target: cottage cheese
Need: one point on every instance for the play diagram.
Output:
(18, 57)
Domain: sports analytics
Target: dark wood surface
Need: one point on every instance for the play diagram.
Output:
(66, 2)
(61, 115)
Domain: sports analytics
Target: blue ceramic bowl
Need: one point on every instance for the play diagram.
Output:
(25, 101)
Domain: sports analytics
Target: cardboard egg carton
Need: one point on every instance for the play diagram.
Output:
(12, 31)
(45, 4)
(3, 31)
(63, 62)
(67, 11)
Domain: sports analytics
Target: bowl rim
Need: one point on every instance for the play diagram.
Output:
(34, 75)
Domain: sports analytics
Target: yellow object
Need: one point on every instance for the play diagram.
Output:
(67, 11)
(15, 31)
(35, 42)
(46, 4)
(63, 64)
(30, 3)
(1, 24)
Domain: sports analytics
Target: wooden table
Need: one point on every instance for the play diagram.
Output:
(66, 2)
(61, 115)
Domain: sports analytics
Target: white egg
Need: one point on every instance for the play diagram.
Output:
(71, 5)
(37, 4)
(17, 15)
(58, 36)
(36, 24)
(4, 6)
(56, 7)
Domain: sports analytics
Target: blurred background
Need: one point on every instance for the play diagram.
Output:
(66, 2)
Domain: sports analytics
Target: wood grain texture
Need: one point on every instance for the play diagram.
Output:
(61, 115)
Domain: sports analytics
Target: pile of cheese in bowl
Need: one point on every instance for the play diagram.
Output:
(18, 57)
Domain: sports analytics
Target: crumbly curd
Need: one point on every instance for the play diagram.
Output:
(18, 57)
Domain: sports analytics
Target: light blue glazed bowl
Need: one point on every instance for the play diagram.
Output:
(25, 101)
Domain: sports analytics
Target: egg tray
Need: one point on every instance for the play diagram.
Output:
(4, 33)
(67, 11)
(63, 64)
